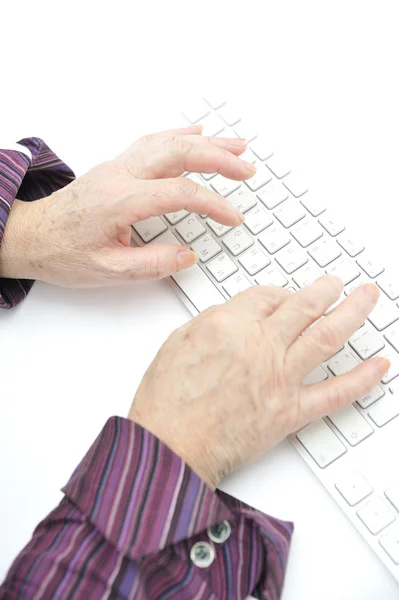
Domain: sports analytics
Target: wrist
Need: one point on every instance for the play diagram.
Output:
(19, 250)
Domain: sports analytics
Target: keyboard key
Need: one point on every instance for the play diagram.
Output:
(212, 125)
(385, 313)
(217, 228)
(224, 186)
(245, 129)
(390, 542)
(392, 336)
(254, 261)
(384, 410)
(261, 177)
(307, 275)
(392, 493)
(196, 110)
(274, 238)
(312, 204)
(206, 248)
(243, 200)
(366, 343)
(291, 258)
(198, 288)
(167, 238)
(342, 363)
(222, 267)
(306, 232)
(321, 443)
(324, 251)
(289, 213)
(237, 241)
(215, 101)
(316, 376)
(150, 228)
(344, 269)
(175, 217)
(236, 284)
(331, 224)
(229, 114)
(376, 515)
(370, 266)
(389, 285)
(261, 148)
(208, 176)
(277, 167)
(350, 245)
(354, 487)
(190, 229)
(351, 425)
(257, 220)
(271, 276)
(273, 194)
(295, 185)
(372, 397)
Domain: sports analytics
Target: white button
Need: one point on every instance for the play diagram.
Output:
(351, 424)
(235, 284)
(375, 515)
(261, 177)
(237, 241)
(220, 532)
(392, 494)
(222, 267)
(257, 220)
(190, 229)
(390, 542)
(318, 374)
(273, 194)
(150, 228)
(254, 261)
(353, 487)
(271, 277)
(321, 443)
(224, 186)
(243, 200)
(206, 248)
(372, 397)
(274, 238)
(202, 554)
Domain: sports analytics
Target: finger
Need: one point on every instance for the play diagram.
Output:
(324, 398)
(151, 262)
(170, 157)
(329, 335)
(234, 145)
(171, 195)
(259, 301)
(189, 130)
(306, 306)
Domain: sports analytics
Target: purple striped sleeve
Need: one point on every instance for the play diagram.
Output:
(131, 514)
(27, 180)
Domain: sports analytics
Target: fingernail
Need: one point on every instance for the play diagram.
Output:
(239, 215)
(383, 365)
(238, 142)
(249, 167)
(186, 258)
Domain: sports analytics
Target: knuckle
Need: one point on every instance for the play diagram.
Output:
(336, 397)
(218, 320)
(186, 187)
(327, 336)
(154, 265)
(308, 306)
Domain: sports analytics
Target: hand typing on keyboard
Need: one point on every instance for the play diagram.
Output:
(229, 384)
(81, 235)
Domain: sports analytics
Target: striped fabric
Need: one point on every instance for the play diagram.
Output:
(131, 513)
(28, 180)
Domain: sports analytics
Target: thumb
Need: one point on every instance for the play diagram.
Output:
(157, 260)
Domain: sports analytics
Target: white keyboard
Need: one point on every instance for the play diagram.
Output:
(289, 239)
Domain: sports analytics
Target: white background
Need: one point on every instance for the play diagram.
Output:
(89, 78)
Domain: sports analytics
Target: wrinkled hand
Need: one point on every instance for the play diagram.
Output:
(80, 235)
(228, 385)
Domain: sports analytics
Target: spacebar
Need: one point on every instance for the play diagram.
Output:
(198, 288)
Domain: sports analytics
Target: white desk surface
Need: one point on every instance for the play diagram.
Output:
(323, 79)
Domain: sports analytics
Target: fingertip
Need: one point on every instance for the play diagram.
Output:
(382, 365)
(186, 258)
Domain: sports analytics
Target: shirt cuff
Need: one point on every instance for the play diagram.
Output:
(143, 498)
(29, 170)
